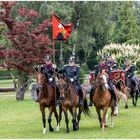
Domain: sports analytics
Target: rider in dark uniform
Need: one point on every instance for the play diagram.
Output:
(48, 69)
(72, 72)
(130, 69)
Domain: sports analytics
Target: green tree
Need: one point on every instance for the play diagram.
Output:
(125, 29)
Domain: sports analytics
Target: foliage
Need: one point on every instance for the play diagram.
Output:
(125, 29)
(122, 51)
(29, 45)
(81, 75)
(6, 74)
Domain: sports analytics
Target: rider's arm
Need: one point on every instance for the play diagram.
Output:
(77, 73)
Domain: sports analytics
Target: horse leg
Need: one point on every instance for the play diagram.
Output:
(74, 119)
(57, 119)
(133, 99)
(125, 100)
(49, 118)
(104, 117)
(42, 109)
(99, 116)
(60, 113)
(112, 116)
(66, 119)
(136, 97)
(79, 116)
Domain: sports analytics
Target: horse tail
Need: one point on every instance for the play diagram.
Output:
(86, 110)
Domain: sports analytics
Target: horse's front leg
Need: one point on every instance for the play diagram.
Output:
(42, 109)
(49, 118)
(66, 119)
(75, 127)
(57, 119)
(104, 117)
(99, 116)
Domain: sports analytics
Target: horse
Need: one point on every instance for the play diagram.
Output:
(133, 92)
(118, 79)
(70, 102)
(46, 99)
(122, 92)
(102, 100)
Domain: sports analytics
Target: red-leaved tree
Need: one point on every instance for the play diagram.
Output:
(29, 44)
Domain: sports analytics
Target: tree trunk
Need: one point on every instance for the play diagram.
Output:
(23, 83)
(14, 80)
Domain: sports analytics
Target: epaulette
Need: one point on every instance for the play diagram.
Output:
(77, 65)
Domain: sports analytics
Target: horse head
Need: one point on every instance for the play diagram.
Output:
(40, 77)
(102, 79)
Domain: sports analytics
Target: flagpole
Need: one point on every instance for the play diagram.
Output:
(54, 69)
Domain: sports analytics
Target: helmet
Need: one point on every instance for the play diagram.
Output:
(47, 58)
(71, 59)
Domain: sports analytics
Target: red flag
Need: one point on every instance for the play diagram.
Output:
(60, 31)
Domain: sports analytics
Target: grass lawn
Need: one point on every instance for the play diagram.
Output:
(23, 120)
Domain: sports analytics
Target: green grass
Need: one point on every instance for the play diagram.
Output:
(23, 120)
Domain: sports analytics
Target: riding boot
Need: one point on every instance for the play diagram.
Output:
(81, 98)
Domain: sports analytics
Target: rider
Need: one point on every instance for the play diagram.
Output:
(72, 72)
(107, 65)
(48, 69)
(102, 64)
(129, 69)
(112, 65)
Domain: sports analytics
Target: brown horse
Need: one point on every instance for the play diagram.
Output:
(71, 102)
(102, 100)
(46, 99)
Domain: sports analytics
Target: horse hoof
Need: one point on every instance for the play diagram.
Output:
(112, 126)
(57, 128)
(126, 106)
(75, 129)
(106, 126)
(67, 131)
(44, 130)
(51, 129)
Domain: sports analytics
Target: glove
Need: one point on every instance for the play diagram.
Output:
(71, 79)
(54, 66)
(50, 79)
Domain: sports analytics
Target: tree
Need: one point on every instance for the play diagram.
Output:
(29, 44)
(125, 29)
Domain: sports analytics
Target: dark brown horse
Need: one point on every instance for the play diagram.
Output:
(46, 99)
(102, 100)
(134, 92)
(71, 102)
